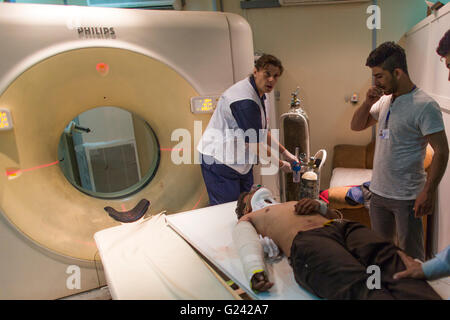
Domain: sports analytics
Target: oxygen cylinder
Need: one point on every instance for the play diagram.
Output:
(294, 135)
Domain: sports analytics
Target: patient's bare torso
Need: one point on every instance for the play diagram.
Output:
(281, 224)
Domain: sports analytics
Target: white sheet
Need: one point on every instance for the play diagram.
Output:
(148, 260)
(209, 231)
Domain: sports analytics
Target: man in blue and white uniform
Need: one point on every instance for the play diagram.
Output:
(237, 133)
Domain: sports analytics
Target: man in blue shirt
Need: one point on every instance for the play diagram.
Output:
(237, 134)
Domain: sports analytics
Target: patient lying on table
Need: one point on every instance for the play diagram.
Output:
(329, 256)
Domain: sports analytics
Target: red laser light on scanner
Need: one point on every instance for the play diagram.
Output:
(171, 149)
(198, 201)
(102, 68)
(14, 173)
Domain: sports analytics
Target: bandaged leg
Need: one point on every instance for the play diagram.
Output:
(249, 247)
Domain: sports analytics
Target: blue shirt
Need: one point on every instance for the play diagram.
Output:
(439, 266)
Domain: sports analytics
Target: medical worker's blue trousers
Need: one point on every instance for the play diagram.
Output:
(223, 183)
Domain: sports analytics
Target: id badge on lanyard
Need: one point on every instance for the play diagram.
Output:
(384, 133)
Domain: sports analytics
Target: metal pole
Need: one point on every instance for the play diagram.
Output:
(374, 46)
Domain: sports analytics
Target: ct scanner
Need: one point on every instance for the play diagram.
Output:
(158, 61)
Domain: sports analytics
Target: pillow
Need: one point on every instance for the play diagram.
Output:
(341, 177)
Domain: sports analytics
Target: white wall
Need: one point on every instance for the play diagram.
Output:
(199, 5)
(107, 124)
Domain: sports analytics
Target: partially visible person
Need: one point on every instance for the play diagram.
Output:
(329, 255)
(227, 160)
(409, 119)
(444, 50)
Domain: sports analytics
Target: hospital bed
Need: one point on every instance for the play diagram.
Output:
(154, 258)
(151, 259)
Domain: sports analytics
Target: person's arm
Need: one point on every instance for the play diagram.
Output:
(425, 200)
(271, 141)
(267, 154)
(438, 267)
(308, 206)
(362, 119)
(251, 253)
(247, 115)
(413, 268)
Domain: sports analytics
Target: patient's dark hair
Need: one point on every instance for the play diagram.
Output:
(444, 45)
(241, 205)
(389, 56)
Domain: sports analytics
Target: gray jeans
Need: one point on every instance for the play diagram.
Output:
(390, 218)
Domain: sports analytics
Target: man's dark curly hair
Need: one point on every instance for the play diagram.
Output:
(389, 56)
(241, 205)
(266, 59)
(444, 45)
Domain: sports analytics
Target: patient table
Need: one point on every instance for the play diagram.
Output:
(149, 259)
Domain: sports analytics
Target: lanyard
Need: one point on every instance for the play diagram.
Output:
(265, 114)
(389, 112)
(387, 118)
